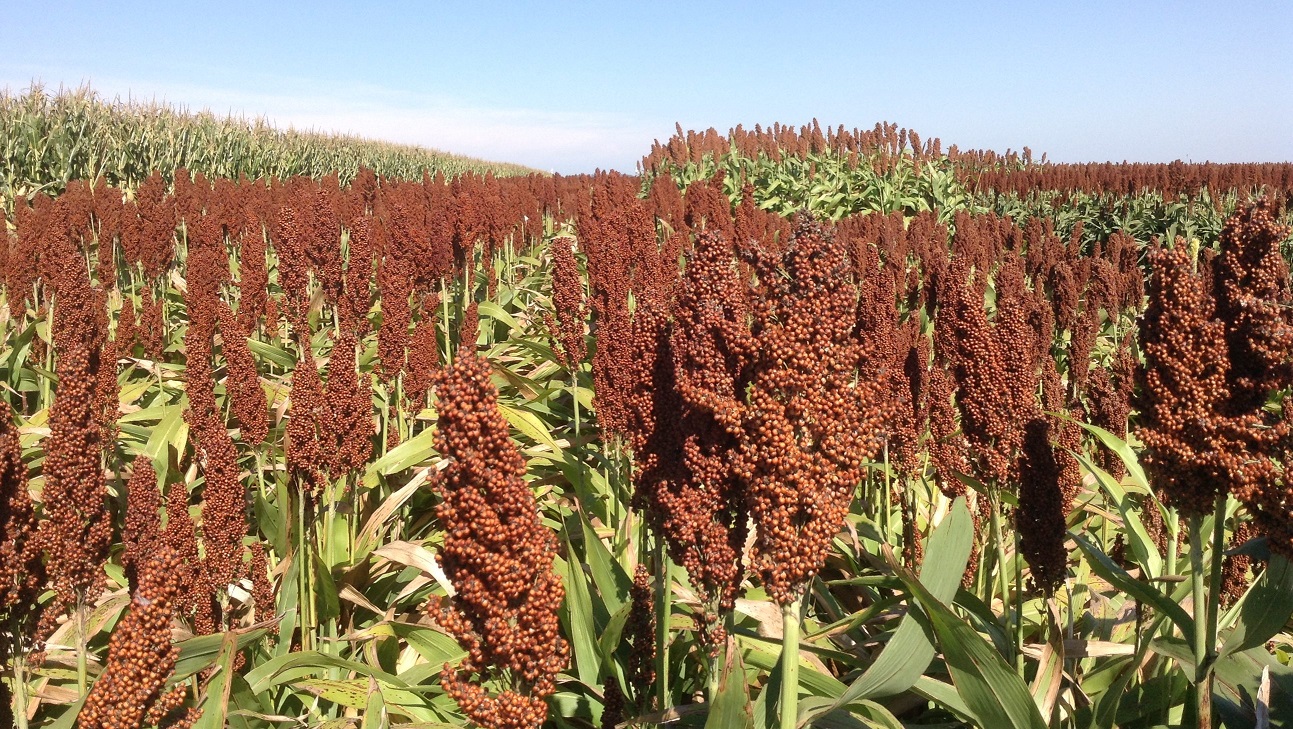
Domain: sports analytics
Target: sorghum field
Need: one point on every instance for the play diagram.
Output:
(792, 428)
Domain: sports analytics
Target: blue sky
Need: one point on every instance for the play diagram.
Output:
(571, 86)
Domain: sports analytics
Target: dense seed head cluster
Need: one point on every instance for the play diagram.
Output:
(247, 399)
(1082, 340)
(356, 295)
(949, 450)
(1182, 385)
(706, 207)
(253, 270)
(995, 369)
(1255, 301)
(152, 326)
(1040, 518)
(654, 406)
(307, 238)
(305, 413)
(22, 265)
(424, 358)
(1108, 405)
(148, 228)
(665, 200)
(887, 350)
(697, 369)
(131, 690)
(809, 424)
(22, 571)
(617, 221)
(141, 536)
(395, 284)
(1234, 570)
(77, 529)
(640, 631)
(499, 557)
(567, 326)
(224, 506)
(180, 535)
(754, 227)
(985, 171)
(345, 424)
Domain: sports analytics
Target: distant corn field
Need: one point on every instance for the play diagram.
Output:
(49, 139)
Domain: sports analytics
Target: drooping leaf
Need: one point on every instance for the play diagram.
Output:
(994, 693)
(1266, 608)
(731, 708)
(907, 655)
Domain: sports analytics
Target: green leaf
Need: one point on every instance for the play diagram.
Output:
(215, 704)
(995, 694)
(277, 355)
(613, 583)
(1105, 567)
(202, 652)
(942, 694)
(1265, 609)
(67, 720)
(1050, 667)
(860, 715)
(1120, 449)
(731, 707)
(375, 711)
(435, 647)
(293, 666)
(344, 693)
(907, 655)
(579, 619)
(496, 312)
(407, 454)
(529, 425)
(1142, 546)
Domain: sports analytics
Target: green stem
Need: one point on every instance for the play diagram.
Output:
(1202, 696)
(82, 647)
(574, 395)
(448, 328)
(664, 598)
(715, 667)
(883, 506)
(1003, 579)
(1019, 611)
(306, 568)
(20, 690)
(1214, 602)
(790, 663)
(1173, 524)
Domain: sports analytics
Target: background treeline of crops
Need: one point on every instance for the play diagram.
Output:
(837, 172)
(51, 139)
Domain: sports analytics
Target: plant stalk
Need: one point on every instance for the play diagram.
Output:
(20, 690)
(1003, 579)
(82, 646)
(1202, 694)
(664, 599)
(1214, 604)
(790, 663)
(1019, 612)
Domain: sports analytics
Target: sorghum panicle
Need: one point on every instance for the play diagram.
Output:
(141, 656)
(1182, 385)
(809, 424)
(499, 557)
(567, 329)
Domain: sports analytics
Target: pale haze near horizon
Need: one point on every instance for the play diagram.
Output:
(571, 87)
